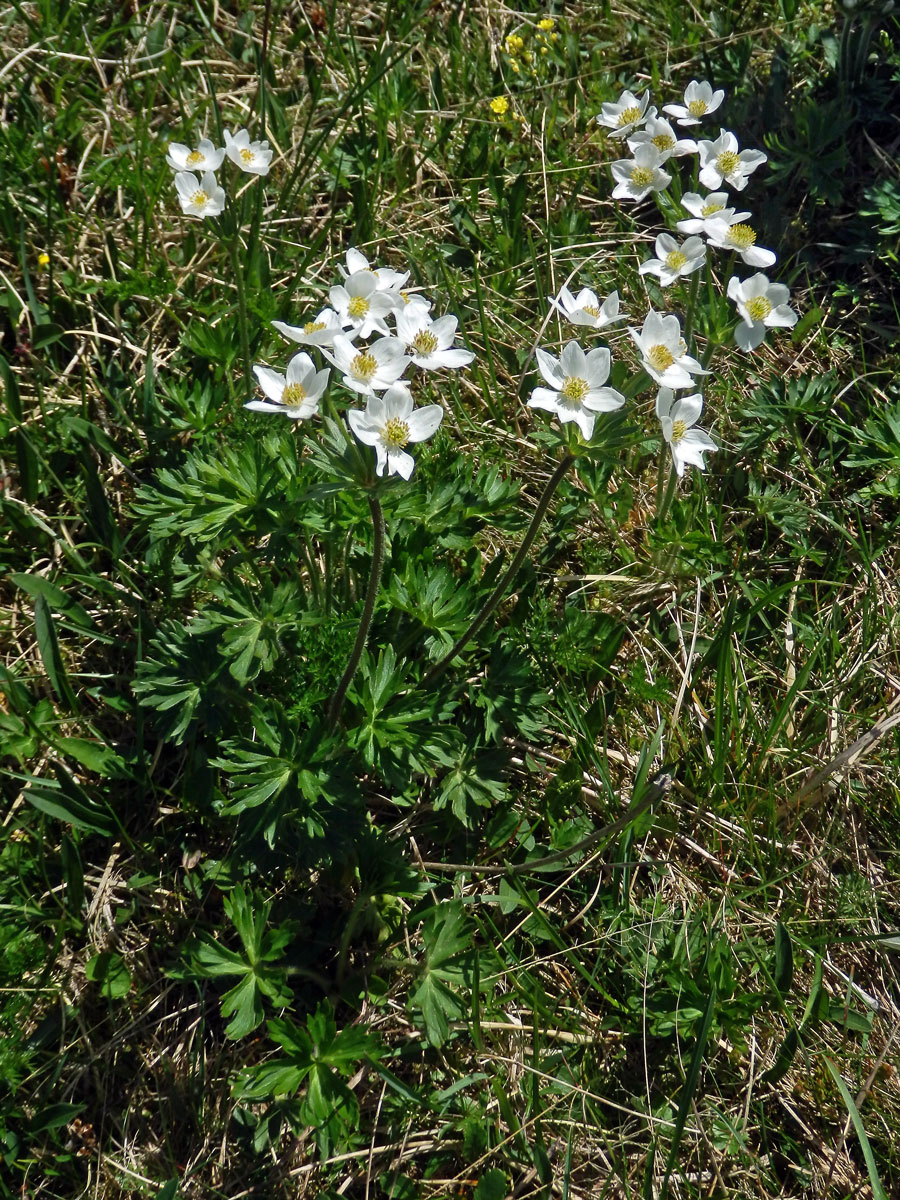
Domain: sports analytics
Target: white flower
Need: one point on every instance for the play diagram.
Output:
(389, 423)
(252, 157)
(676, 418)
(639, 176)
(368, 370)
(664, 353)
(360, 305)
(199, 197)
(707, 209)
(586, 309)
(296, 393)
(430, 343)
(699, 101)
(658, 132)
(205, 158)
(576, 391)
(762, 305)
(319, 332)
(673, 260)
(627, 113)
(385, 279)
(742, 239)
(721, 162)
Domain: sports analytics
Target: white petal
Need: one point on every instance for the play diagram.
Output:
(544, 398)
(271, 382)
(400, 463)
(549, 368)
(424, 421)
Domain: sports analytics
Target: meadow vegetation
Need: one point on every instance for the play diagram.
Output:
(520, 819)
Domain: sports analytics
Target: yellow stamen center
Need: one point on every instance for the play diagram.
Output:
(697, 108)
(247, 155)
(574, 390)
(708, 209)
(679, 429)
(314, 326)
(663, 141)
(195, 157)
(358, 306)
(727, 162)
(759, 308)
(423, 344)
(363, 367)
(641, 177)
(294, 394)
(200, 198)
(676, 260)
(660, 357)
(395, 434)
(629, 115)
(741, 236)
(592, 310)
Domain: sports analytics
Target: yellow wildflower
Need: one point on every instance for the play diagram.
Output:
(500, 105)
(514, 44)
(547, 24)
(43, 260)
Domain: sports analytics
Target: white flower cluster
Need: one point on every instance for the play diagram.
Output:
(201, 195)
(364, 306)
(710, 221)
(653, 142)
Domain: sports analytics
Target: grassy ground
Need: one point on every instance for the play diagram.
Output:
(246, 954)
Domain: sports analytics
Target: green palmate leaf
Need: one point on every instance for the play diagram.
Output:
(446, 939)
(260, 963)
(243, 1004)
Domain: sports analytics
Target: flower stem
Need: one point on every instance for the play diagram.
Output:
(238, 273)
(512, 570)
(692, 307)
(663, 509)
(365, 621)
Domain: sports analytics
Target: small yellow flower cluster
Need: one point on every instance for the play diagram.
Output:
(518, 53)
(500, 106)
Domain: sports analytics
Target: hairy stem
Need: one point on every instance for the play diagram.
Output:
(365, 621)
(512, 570)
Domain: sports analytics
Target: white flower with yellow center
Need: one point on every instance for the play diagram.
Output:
(674, 259)
(319, 332)
(587, 309)
(386, 280)
(625, 114)
(762, 305)
(659, 133)
(706, 210)
(360, 305)
(430, 343)
(639, 176)
(699, 101)
(296, 393)
(677, 418)
(664, 353)
(199, 197)
(371, 369)
(576, 392)
(252, 157)
(722, 162)
(742, 239)
(389, 423)
(205, 158)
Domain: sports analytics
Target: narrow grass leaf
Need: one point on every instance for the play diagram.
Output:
(878, 1191)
